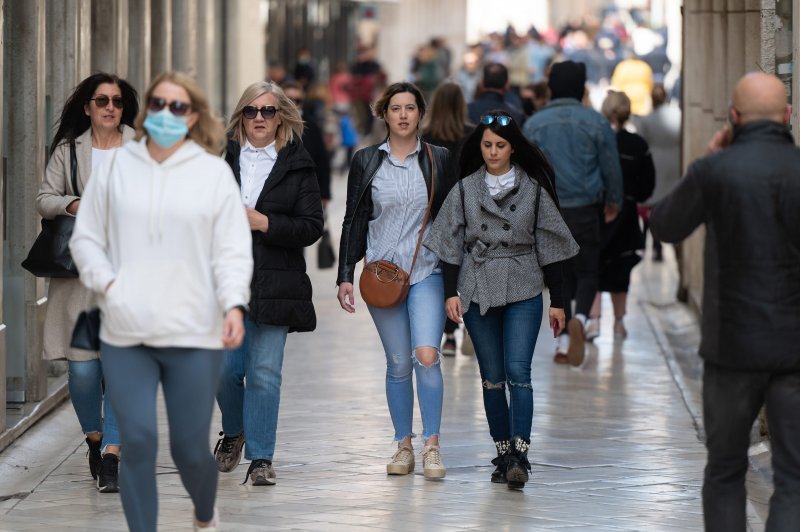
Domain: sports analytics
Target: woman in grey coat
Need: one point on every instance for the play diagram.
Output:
(501, 239)
(96, 120)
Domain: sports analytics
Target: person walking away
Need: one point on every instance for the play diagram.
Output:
(746, 192)
(96, 120)
(501, 238)
(492, 91)
(623, 238)
(662, 131)
(173, 277)
(388, 192)
(446, 125)
(278, 186)
(589, 188)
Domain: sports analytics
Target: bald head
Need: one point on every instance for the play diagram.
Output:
(759, 96)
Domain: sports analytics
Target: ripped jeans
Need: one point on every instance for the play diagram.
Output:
(504, 341)
(417, 322)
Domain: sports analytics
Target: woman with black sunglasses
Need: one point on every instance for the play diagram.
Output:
(279, 190)
(501, 239)
(96, 120)
(164, 242)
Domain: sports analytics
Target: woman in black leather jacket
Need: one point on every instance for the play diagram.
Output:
(388, 191)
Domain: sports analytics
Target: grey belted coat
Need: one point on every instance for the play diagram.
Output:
(494, 241)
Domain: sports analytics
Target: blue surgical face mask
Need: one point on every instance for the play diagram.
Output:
(165, 128)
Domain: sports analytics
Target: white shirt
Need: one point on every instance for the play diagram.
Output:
(255, 165)
(499, 183)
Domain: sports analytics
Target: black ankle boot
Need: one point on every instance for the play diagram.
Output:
(499, 474)
(518, 465)
(95, 458)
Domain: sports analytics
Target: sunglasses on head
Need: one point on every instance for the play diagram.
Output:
(176, 107)
(502, 120)
(267, 111)
(102, 101)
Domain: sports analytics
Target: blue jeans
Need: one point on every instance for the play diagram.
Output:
(504, 341)
(253, 409)
(91, 404)
(417, 322)
(187, 378)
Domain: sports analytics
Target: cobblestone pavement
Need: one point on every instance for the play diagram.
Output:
(615, 446)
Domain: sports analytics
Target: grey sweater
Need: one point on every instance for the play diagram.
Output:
(493, 240)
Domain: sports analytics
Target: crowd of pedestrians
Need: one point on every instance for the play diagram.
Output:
(190, 238)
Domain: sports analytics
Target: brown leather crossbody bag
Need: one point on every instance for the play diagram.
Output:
(384, 284)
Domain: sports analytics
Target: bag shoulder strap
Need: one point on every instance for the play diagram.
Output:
(427, 211)
(536, 217)
(73, 167)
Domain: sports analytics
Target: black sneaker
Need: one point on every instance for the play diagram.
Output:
(228, 452)
(107, 481)
(95, 458)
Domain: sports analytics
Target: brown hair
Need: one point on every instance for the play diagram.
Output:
(380, 107)
(448, 114)
(208, 131)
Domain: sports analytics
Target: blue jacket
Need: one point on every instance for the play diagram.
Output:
(582, 148)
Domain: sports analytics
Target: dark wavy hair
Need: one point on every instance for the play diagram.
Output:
(73, 121)
(525, 155)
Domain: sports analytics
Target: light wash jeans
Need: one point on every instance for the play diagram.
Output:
(187, 377)
(91, 404)
(417, 322)
(253, 409)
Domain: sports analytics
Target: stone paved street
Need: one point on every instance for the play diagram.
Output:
(615, 446)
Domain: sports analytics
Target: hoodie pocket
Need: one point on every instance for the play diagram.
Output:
(158, 298)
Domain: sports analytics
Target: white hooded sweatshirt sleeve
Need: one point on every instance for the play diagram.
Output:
(174, 239)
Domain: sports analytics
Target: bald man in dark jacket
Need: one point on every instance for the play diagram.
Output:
(747, 193)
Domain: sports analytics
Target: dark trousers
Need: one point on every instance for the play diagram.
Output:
(504, 340)
(731, 402)
(581, 273)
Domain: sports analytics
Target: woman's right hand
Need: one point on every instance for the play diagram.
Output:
(345, 296)
(452, 306)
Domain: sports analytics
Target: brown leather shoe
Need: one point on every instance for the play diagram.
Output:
(561, 358)
(577, 341)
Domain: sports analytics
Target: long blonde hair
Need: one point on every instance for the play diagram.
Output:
(291, 123)
(208, 131)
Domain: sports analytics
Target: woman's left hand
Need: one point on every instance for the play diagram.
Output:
(452, 307)
(233, 329)
(557, 320)
(257, 221)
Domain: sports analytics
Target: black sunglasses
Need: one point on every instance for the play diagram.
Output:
(102, 101)
(250, 112)
(502, 120)
(176, 107)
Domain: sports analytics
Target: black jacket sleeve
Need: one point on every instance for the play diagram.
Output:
(346, 269)
(554, 279)
(450, 274)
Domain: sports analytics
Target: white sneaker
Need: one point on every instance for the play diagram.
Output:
(213, 525)
(619, 330)
(402, 462)
(432, 466)
(592, 329)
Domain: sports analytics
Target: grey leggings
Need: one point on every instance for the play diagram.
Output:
(189, 380)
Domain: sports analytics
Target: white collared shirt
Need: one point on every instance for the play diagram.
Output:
(255, 165)
(499, 183)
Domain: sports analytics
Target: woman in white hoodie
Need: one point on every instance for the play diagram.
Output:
(163, 239)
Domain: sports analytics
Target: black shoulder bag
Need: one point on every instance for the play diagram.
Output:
(49, 256)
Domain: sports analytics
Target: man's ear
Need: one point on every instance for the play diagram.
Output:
(787, 114)
(733, 116)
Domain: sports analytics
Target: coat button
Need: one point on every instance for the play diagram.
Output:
(513, 208)
(504, 244)
(483, 209)
(506, 227)
(484, 227)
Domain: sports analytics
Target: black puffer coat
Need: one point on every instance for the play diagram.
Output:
(353, 245)
(747, 196)
(281, 290)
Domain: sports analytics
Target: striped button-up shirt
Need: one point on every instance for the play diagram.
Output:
(400, 199)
